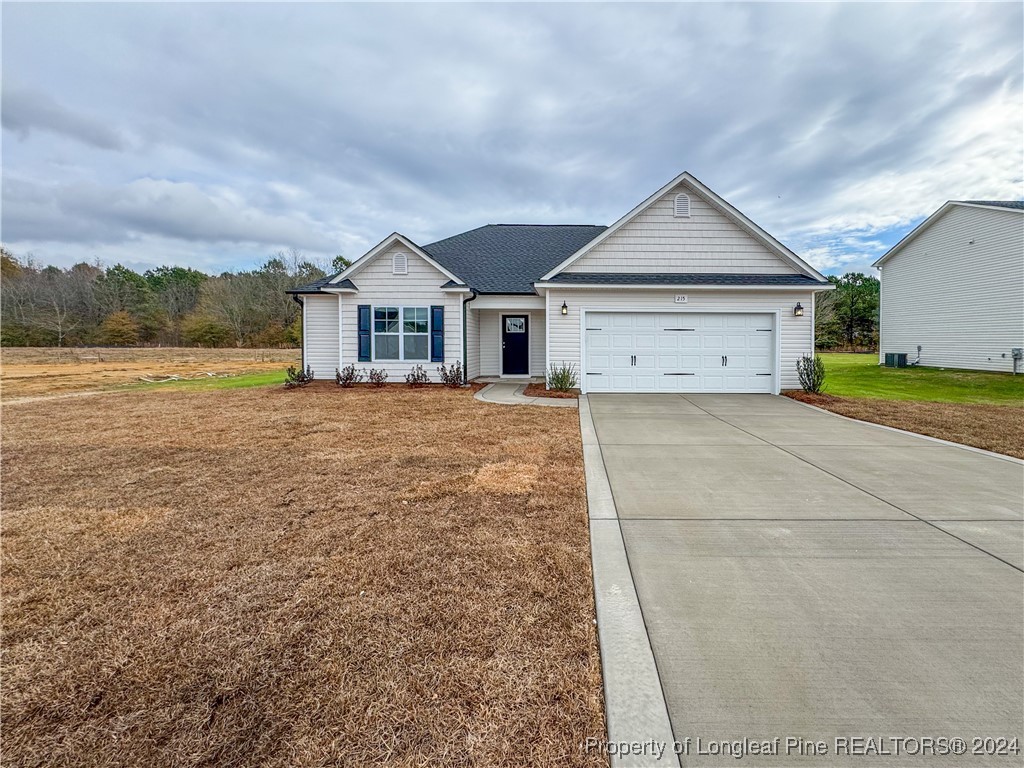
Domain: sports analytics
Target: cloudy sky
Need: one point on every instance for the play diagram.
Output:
(213, 135)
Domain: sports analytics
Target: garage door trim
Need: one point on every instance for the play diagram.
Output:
(776, 313)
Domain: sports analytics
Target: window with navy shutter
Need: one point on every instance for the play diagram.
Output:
(364, 333)
(437, 334)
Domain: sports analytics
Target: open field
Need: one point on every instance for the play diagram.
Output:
(851, 375)
(41, 371)
(985, 410)
(314, 577)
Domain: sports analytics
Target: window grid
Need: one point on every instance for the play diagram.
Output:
(401, 333)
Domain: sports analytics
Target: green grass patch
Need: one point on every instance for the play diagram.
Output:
(849, 375)
(242, 381)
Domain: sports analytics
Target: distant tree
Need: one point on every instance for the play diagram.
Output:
(9, 265)
(53, 302)
(206, 331)
(119, 330)
(339, 262)
(177, 291)
(848, 315)
(120, 288)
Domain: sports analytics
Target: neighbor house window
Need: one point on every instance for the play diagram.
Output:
(401, 333)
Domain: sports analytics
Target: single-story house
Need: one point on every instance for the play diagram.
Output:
(953, 288)
(682, 294)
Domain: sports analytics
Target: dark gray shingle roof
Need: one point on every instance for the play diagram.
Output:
(1016, 204)
(508, 258)
(687, 278)
(316, 285)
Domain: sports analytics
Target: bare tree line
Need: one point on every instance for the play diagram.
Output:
(92, 304)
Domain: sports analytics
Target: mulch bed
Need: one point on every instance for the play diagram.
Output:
(998, 428)
(308, 577)
(538, 390)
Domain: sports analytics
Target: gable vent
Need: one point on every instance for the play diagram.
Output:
(682, 207)
(400, 264)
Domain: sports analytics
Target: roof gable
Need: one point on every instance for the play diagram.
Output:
(1008, 206)
(686, 181)
(386, 245)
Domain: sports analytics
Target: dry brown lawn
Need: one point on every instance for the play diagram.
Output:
(320, 577)
(538, 390)
(39, 371)
(998, 428)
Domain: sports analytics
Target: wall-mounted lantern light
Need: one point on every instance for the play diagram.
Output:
(798, 311)
(565, 308)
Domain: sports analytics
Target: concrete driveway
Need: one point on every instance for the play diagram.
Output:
(805, 576)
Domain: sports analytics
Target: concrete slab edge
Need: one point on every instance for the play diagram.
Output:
(512, 394)
(635, 705)
(971, 448)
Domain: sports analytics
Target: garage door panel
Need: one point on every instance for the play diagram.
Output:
(679, 352)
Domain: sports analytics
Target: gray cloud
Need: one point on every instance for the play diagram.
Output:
(25, 111)
(326, 126)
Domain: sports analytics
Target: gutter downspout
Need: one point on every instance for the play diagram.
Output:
(465, 345)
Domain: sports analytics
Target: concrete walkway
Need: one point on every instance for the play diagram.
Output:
(810, 577)
(512, 394)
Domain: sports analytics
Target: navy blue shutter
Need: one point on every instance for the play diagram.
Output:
(364, 333)
(437, 334)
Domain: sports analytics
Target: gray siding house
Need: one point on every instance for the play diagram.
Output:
(954, 286)
(682, 294)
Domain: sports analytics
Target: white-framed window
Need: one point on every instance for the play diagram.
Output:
(401, 333)
(682, 206)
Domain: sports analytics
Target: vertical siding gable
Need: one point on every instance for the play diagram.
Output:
(706, 241)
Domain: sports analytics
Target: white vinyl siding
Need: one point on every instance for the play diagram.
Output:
(472, 341)
(962, 302)
(657, 240)
(796, 334)
(490, 340)
(321, 334)
(419, 288)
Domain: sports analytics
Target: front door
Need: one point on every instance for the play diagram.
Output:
(515, 345)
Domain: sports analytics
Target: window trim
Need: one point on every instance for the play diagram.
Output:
(401, 334)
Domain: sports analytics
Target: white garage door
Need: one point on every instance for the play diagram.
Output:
(679, 352)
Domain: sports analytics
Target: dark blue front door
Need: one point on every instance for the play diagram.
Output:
(515, 345)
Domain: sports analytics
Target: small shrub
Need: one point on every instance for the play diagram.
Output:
(348, 376)
(451, 376)
(811, 371)
(377, 378)
(563, 377)
(417, 377)
(296, 377)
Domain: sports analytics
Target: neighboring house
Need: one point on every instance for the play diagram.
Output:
(954, 287)
(683, 294)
